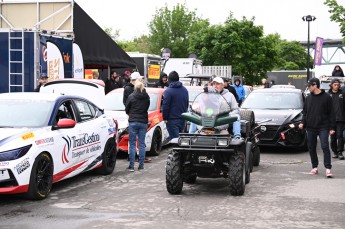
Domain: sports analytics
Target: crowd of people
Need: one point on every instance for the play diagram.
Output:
(323, 112)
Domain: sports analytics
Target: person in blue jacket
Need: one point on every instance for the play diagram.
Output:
(175, 102)
(239, 90)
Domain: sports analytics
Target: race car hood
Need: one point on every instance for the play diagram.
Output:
(278, 117)
(11, 138)
(120, 116)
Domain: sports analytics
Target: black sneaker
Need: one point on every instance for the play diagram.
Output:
(131, 169)
(140, 168)
(340, 156)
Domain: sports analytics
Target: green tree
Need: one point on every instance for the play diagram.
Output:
(338, 14)
(292, 56)
(140, 44)
(112, 34)
(240, 44)
(173, 28)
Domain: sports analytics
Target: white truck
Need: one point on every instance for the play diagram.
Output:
(183, 66)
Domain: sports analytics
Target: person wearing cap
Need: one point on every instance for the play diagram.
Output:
(163, 81)
(218, 84)
(125, 78)
(129, 88)
(112, 83)
(239, 90)
(318, 121)
(338, 113)
(42, 81)
(175, 102)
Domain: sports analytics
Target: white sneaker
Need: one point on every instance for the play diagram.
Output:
(329, 173)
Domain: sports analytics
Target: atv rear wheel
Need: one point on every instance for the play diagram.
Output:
(173, 175)
(237, 174)
(191, 179)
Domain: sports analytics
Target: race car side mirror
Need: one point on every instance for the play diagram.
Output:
(64, 123)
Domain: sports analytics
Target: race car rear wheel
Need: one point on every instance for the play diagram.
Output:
(156, 143)
(256, 156)
(173, 175)
(237, 174)
(41, 178)
(108, 158)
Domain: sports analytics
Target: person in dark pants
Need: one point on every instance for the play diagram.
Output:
(175, 102)
(137, 106)
(337, 143)
(318, 121)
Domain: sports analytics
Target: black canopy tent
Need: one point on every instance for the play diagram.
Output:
(98, 49)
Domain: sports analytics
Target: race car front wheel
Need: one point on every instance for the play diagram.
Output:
(41, 178)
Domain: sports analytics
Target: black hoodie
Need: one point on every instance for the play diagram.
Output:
(338, 105)
(160, 83)
(317, 112)
(137, 106)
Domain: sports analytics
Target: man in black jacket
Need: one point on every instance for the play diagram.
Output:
(227, 85)
(337, 143)
(129, 88)
(112, 83)
(318, 121)
(163, 81)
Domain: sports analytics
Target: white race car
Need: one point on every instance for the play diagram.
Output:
(46, 137)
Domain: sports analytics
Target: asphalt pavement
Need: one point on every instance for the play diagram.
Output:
(281, 194)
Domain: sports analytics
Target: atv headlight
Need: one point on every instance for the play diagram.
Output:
(14, 154)
(222, 142)
(184, 141)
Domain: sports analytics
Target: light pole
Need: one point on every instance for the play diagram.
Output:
(308, 19)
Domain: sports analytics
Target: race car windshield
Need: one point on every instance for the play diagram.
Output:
(210, 105)
(277, 101)
(25, 113)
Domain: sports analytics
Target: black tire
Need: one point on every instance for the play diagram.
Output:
(173, 175)
(156, 143)
(108, 158)
(237, 174)
(41, 178)
(191, 179)
(248, 115)
(256, 156)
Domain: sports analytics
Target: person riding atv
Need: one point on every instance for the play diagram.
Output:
(211, 152)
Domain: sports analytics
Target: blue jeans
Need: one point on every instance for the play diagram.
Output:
(312, 141)
(137, 129)
(236, 126)
(174, 127)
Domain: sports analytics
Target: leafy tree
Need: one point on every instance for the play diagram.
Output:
(113, 34)
(338, 14)
(172, 29)
(292, 56)
(240, 44)
(140, 44)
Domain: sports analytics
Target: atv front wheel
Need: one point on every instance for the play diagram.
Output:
(173, 175)
(237, 174)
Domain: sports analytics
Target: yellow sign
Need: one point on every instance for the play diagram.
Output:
(28, 136)
(154, 71)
